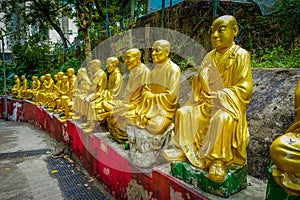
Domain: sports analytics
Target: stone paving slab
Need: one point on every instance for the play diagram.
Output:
(24, 168)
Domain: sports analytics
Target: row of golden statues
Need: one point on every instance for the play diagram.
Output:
(210, 131)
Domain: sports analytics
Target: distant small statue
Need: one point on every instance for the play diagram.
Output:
(51, 100)
(69, 87)
(46, 90)
(23, 88)
(16, 86)
(211, 130)
(84, 87)
(37, 95)
(35, 86)
(285, 153)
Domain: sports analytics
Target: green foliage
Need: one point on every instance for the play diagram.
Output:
(278, 57)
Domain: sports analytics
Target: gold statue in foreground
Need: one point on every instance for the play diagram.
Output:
(211, 129)
(285, 153)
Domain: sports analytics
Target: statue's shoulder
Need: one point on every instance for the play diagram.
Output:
(240, 51)
(174, 66)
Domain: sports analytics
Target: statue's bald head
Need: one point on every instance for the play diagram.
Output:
(227, 18)
(134, 52)
(163, 44)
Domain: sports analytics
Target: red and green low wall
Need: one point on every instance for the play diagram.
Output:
(103, 158)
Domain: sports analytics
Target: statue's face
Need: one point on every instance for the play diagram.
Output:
(70, 72)
(222, 33)
(159, 55)
(65, 79)
(110, 65)
(131, 61)
(48, 76)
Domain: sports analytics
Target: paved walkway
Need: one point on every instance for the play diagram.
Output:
(28, 171)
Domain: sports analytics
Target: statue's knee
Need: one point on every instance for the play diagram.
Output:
(223, 116)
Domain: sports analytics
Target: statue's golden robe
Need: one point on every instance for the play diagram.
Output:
(209, 129)
(159, 98)
(285, 153)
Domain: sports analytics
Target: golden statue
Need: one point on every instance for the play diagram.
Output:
(115, 108)
(36, 96)
(98, 83)
(113, 91)
(51, 100)
(69, 86)
(17, 85)
(64, 94)
(159, 97)
(84, 86)
(23, 88)
(285, 153)
(35, 86)
(47, 90)
(211, 129)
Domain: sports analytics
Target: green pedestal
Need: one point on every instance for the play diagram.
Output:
(275, 191)
(235, 181)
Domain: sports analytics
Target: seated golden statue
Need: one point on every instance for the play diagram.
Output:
(149, 121)
(211, 129)
(48, 89)
(98, 83)
(67, 97)
(23, 88)
(113, 91)
(84, 86)
(63, 93)
(35, 86)
(36, 96)
(159, 97)
(115, 108)
(55, 95)
(285, 153)
(16, 86)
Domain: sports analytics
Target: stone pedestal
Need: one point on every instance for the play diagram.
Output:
(235, 181)
(274, 191)
(145, 148)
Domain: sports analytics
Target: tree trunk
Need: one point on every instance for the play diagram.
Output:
(88, 53)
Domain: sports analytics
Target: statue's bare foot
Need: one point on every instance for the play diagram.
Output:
(217, 172)
(174, 155)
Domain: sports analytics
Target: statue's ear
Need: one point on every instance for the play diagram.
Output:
(236, 30)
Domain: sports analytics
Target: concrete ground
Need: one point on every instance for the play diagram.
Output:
(28, 170)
